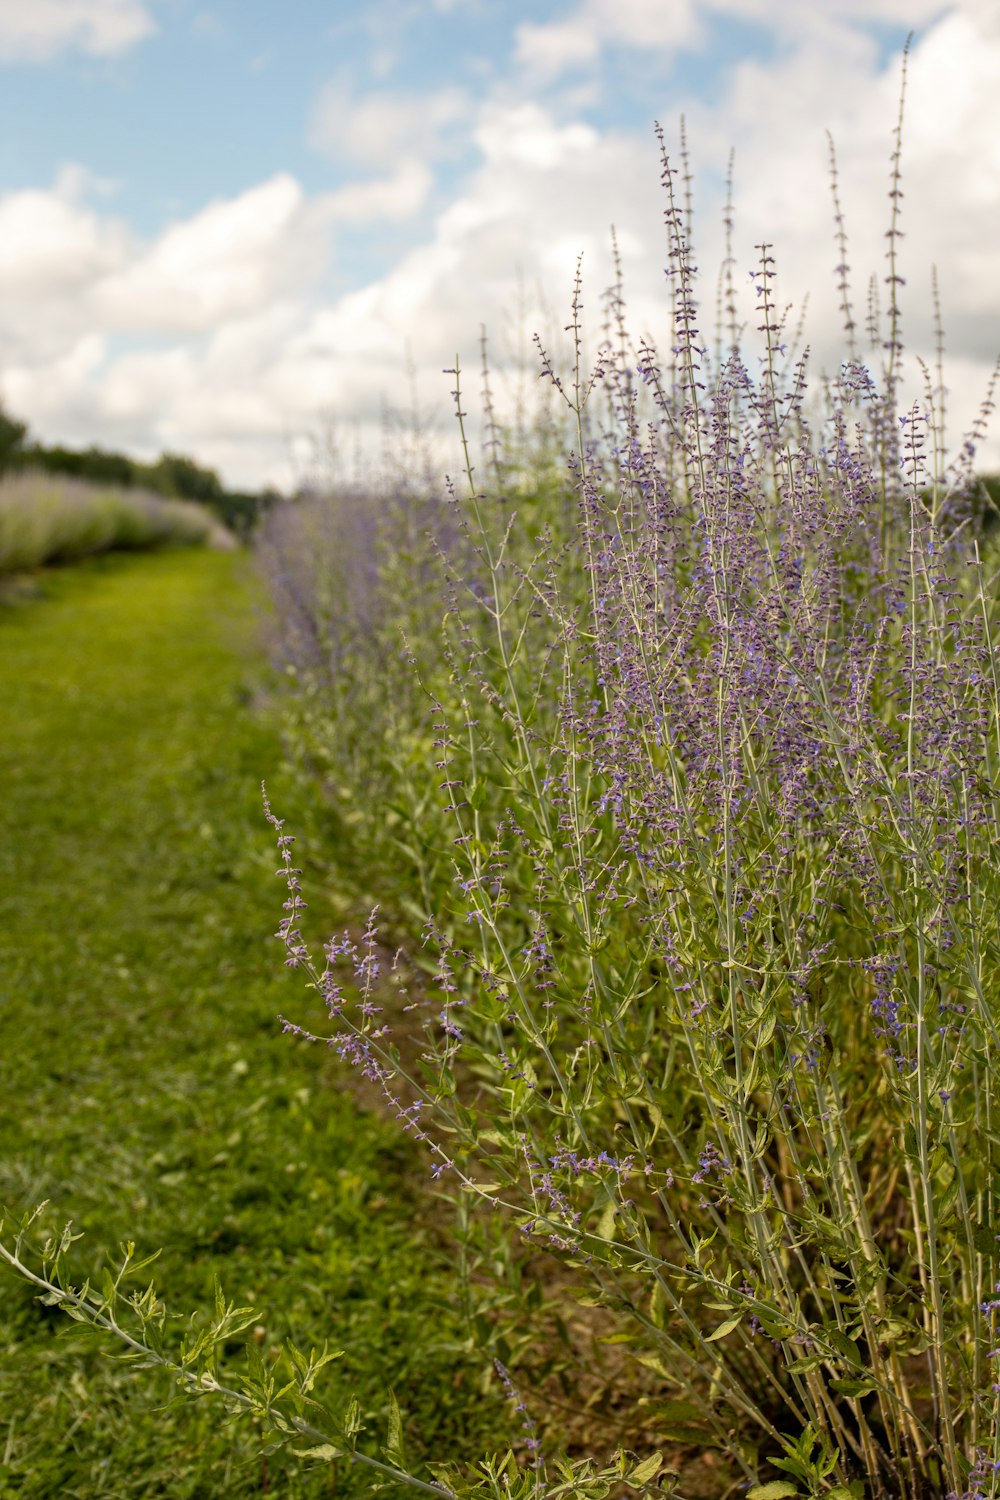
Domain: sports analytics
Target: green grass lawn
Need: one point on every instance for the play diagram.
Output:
(146, 1089)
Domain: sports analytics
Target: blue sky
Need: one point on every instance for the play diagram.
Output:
(224, 223)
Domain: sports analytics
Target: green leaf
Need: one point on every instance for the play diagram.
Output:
(724, 1328)
(685, 1436)
(647, 1471)
(843, 1345)
(679, 1411)
(135, 1266)
(353, 1421)
(325, 1451)
(394, 1443)
(986, 1240)
(853, 1388)
(606, 1225)
(775, 1489)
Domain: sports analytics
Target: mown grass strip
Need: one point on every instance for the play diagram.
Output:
(147, 1092)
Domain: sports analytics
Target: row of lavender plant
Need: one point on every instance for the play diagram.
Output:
(357, 573)
(714, 915)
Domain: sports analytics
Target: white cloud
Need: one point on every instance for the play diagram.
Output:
(382, 127)
(52, 243)
(552, 48)
(786, 15)
(390, 198)
(228, 259)
(548, 50)
(35, 30)
(227, 286)
(524, 135)
(56, 391)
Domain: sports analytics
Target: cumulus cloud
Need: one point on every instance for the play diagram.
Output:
(577, 39)
(61, 391)
(51, 242)
(35, 30)
(228, 259)
(556, 47)
(382, 127)
(787, 14)
(390, 198)
(200, 339)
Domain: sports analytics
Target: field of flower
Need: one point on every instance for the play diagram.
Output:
(656, 763)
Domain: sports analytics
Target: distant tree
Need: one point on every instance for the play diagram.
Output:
(105, 467)
(181, 477)
(241, 511)
(12, 435)
(97, 465)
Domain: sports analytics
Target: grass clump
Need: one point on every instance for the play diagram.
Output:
(47, 520)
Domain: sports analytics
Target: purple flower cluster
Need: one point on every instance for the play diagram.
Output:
(531, 1441)
(712, 1163)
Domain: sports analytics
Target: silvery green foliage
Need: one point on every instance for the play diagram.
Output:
(706, 849)
(282, 1397)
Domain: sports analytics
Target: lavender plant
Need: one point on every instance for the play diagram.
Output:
(357, 574)
(718, 957)
(281, 1397)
